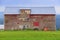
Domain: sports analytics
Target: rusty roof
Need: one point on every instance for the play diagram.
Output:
(31, 14)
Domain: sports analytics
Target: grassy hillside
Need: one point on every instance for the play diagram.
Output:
(30, 35)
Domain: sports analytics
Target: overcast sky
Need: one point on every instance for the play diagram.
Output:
(30, 3)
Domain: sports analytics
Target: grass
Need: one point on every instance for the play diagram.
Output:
(29, 35)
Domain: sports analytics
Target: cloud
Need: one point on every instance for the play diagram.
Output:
(57, 8)
(2, 8)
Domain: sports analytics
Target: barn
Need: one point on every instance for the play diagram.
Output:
(20, 18)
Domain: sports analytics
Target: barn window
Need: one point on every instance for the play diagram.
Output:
(27, 11)
(36, 23)
(27, 19)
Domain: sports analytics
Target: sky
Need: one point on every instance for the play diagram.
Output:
(30, 3)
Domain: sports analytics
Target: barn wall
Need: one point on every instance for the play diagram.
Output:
(14, 22)
(10, 22)
(45, 21)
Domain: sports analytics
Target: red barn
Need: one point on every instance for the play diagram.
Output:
(26, 20)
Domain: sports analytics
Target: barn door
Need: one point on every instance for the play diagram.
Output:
(36, 24)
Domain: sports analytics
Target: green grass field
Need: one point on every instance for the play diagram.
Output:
(29, 35)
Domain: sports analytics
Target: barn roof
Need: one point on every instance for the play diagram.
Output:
(34, 10)
(42, 14)
(11, 14)
(31, 14)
